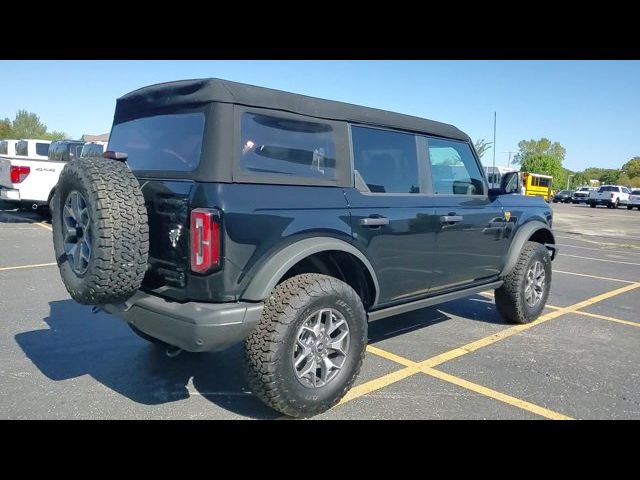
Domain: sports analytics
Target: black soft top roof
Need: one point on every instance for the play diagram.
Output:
(193, 93)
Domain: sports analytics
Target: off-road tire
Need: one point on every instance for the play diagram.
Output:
(509, 297)
(119, 230)
(269, 347)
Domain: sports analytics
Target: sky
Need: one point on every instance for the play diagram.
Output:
(591, 107)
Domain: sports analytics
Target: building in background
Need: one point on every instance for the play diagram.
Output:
(95, 138)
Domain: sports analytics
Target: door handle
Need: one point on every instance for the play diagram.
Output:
(451, 218)
(374, 221)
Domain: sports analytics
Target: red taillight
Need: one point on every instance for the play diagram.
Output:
(18, 174)
(205, 240)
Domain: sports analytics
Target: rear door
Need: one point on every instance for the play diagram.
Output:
(392, 216)
(470, 239)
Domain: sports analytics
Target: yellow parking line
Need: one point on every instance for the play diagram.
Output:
(610, 319)
(391, 356)
(599, 259)
(593, 276)
(20, 267)
(378, 383)
(43, 225)
(502, 397)
(412, 367)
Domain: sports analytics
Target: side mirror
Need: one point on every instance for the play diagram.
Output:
(510, 183)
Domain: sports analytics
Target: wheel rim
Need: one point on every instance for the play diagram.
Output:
(77, 232)
(534, 284)
(322, 345)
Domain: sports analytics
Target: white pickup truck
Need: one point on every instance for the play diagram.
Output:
(610, 195)
(26, 175)
(29, 172)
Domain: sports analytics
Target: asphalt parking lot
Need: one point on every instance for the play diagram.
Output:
(458, 360)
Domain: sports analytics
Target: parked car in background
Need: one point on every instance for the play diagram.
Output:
(23, 177)
(563, 196)
(93, 149)
(610, 195)
(581, 195)
(634, 199)
(65, 150)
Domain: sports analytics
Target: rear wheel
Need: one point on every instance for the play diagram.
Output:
(630, 207)
(592, 205)
(308, 347)
(524, 293)
(617, 204)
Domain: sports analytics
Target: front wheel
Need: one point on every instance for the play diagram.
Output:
(592, 205)
(630, 207)
(306, 352)
(524, 293)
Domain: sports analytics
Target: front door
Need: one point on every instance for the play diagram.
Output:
(470, 241)
(393, 221)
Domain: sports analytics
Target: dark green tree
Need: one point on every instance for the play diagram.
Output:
(544, 146)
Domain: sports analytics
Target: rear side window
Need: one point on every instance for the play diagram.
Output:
(4, 148)
(170, 142)
(21, 149)
(385, 161)
(454, 170)
(285, 147)
(42, 149)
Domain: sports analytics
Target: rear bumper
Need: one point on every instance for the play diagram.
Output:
(192, 326)
(9, 194)
(598, 201)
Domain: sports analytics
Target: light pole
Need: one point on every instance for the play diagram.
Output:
(509, 162)
(569, 178)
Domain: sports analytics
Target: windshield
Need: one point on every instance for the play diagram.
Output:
(164, 142)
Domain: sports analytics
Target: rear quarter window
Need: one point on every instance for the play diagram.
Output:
(273, 146)
(171, 142)
(4, 148)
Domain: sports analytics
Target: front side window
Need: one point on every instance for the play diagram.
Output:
(42, 149)
(285, 147)
(385, 161)
(454, 170)
(171, 142)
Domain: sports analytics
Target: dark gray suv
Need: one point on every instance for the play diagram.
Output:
(224, 212)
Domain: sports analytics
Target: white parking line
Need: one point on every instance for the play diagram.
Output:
(600, 259)
(603, 250)
(592, 276)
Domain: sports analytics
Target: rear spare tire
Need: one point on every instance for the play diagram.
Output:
(100, 231)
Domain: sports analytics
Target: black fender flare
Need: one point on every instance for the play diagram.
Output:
(269, 274)
(523, 233)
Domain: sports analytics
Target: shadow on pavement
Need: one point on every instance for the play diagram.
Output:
(476, 308)
(78, 343)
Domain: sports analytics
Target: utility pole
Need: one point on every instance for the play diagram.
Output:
(494, 141)
(509, 162)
